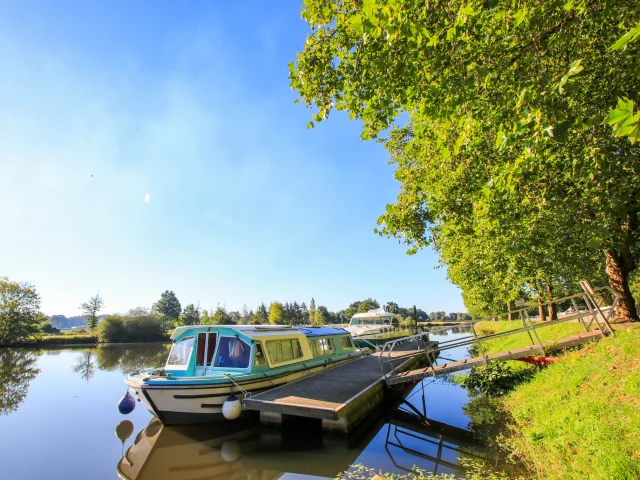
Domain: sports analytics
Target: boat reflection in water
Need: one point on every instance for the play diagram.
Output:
(234, 450)
(245, 451)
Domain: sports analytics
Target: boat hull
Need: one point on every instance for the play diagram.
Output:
(379, 338)
(194, 404)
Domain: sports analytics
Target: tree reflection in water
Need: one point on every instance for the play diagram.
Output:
(125, 358)
(129, 358)
(17, 370)
(85, 366)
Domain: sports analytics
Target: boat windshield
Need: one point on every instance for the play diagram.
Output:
(232, 353)
(180, 353)
(369, 321)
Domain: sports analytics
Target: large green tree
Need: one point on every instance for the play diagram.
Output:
(190, 315)
(221, 317)
(276, 313)
(392, 307)
(168, 307)
(312, 310)
(504, 147)
(322, 316)
(261, 315)
(20, 317)
(91, 310)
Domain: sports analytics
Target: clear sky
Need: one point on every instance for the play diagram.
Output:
(147, 146)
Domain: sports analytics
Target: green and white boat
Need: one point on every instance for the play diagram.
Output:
(210, 369)
(375, 328)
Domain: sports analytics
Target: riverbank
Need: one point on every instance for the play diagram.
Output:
(579, 417)
(73, 340)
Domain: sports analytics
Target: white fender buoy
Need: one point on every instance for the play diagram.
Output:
(231, 408)
(230, 450)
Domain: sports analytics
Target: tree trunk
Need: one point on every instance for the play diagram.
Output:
(618, 270)
(541, 310)
(553, 313)
(510, 306)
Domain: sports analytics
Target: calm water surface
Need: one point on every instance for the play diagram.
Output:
(58, 419)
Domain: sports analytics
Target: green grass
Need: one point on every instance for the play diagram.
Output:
(67, 339)
(74, 332)
(546, 333)
(580, 418)
(47, 340)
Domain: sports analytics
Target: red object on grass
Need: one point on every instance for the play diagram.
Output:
(537, 360)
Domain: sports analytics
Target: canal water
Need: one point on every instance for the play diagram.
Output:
(58, 419)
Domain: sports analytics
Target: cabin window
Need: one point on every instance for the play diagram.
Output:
(181, 353)
(232, 353)
(202, 341)
(322, 346)
(346, 343)
(316, 350)
(211, 348)
(258, 357)
(284, 350)
(205, 347)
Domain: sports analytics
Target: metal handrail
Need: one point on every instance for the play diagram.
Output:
(594, 311)
(390, 345)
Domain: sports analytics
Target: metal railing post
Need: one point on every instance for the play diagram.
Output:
(588, 300)
(526, 314)
(586, 286)
(580, 319)
(477, 339)
(524, 324)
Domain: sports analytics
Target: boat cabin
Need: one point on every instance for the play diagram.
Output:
(374, 318)
(207, 350)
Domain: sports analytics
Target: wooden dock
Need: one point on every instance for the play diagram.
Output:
(340, 397)
(514, 354)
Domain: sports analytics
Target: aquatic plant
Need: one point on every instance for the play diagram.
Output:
(496, 378)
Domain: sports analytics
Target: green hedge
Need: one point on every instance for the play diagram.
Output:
(116, 328)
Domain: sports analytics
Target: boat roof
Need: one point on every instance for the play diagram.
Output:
(253, 331)
(323, 331)
(377, 312)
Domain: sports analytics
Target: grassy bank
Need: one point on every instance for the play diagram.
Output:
(84, 339)
(62, 339)
(580, 418)
(546, 333)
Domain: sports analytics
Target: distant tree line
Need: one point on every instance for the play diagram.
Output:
(21, 319)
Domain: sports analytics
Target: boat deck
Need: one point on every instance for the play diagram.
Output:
(337, 393)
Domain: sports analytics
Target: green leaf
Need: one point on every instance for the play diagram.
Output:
(468, 10)
(622, 112)
(499, 137)
(520, 16)
(630, 129)
(574, 70)
(355, 22)
(632, 35)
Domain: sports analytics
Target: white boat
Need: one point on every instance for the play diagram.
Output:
(372, 327)
(211, 368)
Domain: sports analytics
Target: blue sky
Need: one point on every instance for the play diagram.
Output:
(188, 102)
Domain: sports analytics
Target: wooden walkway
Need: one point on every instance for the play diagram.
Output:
(346, 393)
(516, 353)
